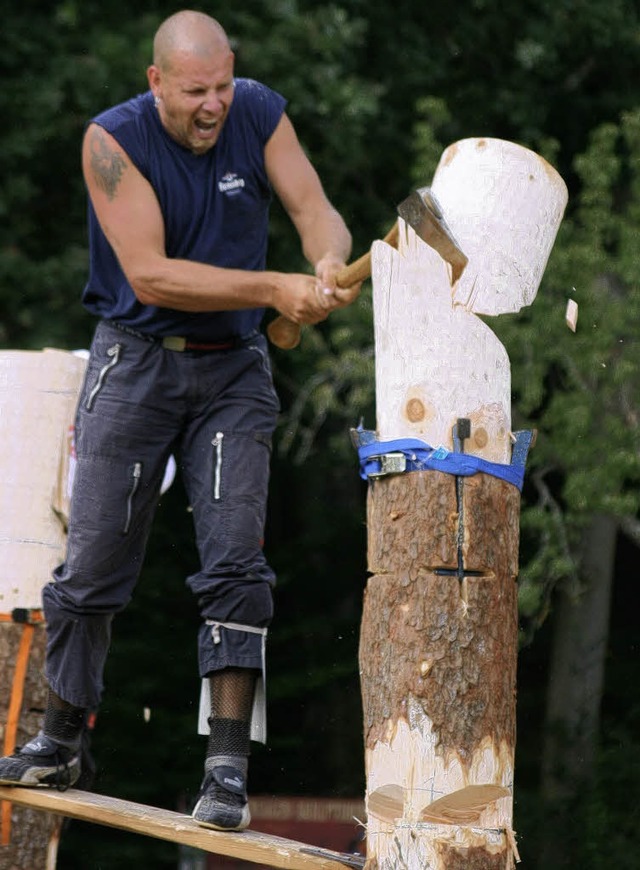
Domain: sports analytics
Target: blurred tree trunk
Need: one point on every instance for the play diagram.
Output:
(576, 680)
(29, 837)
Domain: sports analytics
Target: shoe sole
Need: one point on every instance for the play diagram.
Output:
(35, 778)
(241, 826)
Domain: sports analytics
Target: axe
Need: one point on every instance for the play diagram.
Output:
(423, 214)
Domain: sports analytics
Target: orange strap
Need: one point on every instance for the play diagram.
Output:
(21, 615)
(13, 715)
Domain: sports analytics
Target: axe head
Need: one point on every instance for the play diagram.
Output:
(422, 212)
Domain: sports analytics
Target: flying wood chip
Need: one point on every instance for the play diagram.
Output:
(571, 315)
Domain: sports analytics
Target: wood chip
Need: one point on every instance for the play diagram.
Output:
(571, 315)
(387, 802)
(463, 806)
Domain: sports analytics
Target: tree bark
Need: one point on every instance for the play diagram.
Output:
(438, 671)
(29, 837)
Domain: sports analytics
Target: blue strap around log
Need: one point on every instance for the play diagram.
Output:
(419, 456)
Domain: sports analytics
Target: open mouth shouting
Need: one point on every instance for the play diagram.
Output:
(206, 126)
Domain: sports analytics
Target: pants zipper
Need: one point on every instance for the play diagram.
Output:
(114, 353)
(137, 474)
(217, 471)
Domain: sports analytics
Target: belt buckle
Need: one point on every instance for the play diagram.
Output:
(174, 342)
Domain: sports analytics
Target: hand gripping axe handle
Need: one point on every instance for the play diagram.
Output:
(286, 334)
(422, 213)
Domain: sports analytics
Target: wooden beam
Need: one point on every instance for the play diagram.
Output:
(178, 828)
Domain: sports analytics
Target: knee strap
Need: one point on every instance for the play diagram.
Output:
(233, 626)
(259, 712)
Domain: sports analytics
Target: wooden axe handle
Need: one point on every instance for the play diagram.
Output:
(286, 335)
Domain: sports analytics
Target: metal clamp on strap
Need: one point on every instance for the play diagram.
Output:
(380, 458)
(390, 463)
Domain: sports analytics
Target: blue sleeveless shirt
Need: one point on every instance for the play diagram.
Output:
(215, 208)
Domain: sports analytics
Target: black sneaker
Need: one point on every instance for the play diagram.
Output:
(41, 762)
(222, 802)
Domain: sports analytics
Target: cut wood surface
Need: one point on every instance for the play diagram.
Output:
(38, 395)
(176, 827)
(504, 204)
(436, 361)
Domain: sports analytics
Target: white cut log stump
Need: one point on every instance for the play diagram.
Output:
(38, 395)
(438, 645)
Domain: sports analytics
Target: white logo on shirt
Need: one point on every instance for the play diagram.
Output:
(230, 183)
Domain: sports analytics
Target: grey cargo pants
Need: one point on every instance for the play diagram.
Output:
(216, 411)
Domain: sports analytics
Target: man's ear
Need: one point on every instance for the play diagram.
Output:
(153, 77)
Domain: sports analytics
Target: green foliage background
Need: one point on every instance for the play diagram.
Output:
(376, 90)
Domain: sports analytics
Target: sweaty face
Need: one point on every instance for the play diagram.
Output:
(195, 95)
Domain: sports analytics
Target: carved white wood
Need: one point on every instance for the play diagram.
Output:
(435, 359)
(407, 774)
(38, 394)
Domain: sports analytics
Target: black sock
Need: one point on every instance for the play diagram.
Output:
(63, 722)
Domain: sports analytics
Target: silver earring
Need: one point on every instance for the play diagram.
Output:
(156, 100)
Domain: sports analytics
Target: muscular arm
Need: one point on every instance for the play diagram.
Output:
(326, 241)
(129, 214)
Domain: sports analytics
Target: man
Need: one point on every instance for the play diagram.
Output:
(179, 182)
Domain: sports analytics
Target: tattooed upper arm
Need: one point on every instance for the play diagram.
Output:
(107, 164)
(123, 200)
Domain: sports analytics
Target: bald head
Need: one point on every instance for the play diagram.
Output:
(191, 79)
(188, 32)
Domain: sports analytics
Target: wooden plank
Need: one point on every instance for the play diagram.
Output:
(178, 828)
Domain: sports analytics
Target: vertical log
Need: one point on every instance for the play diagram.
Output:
(438, 646)
(438, 666)
(38, 393)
